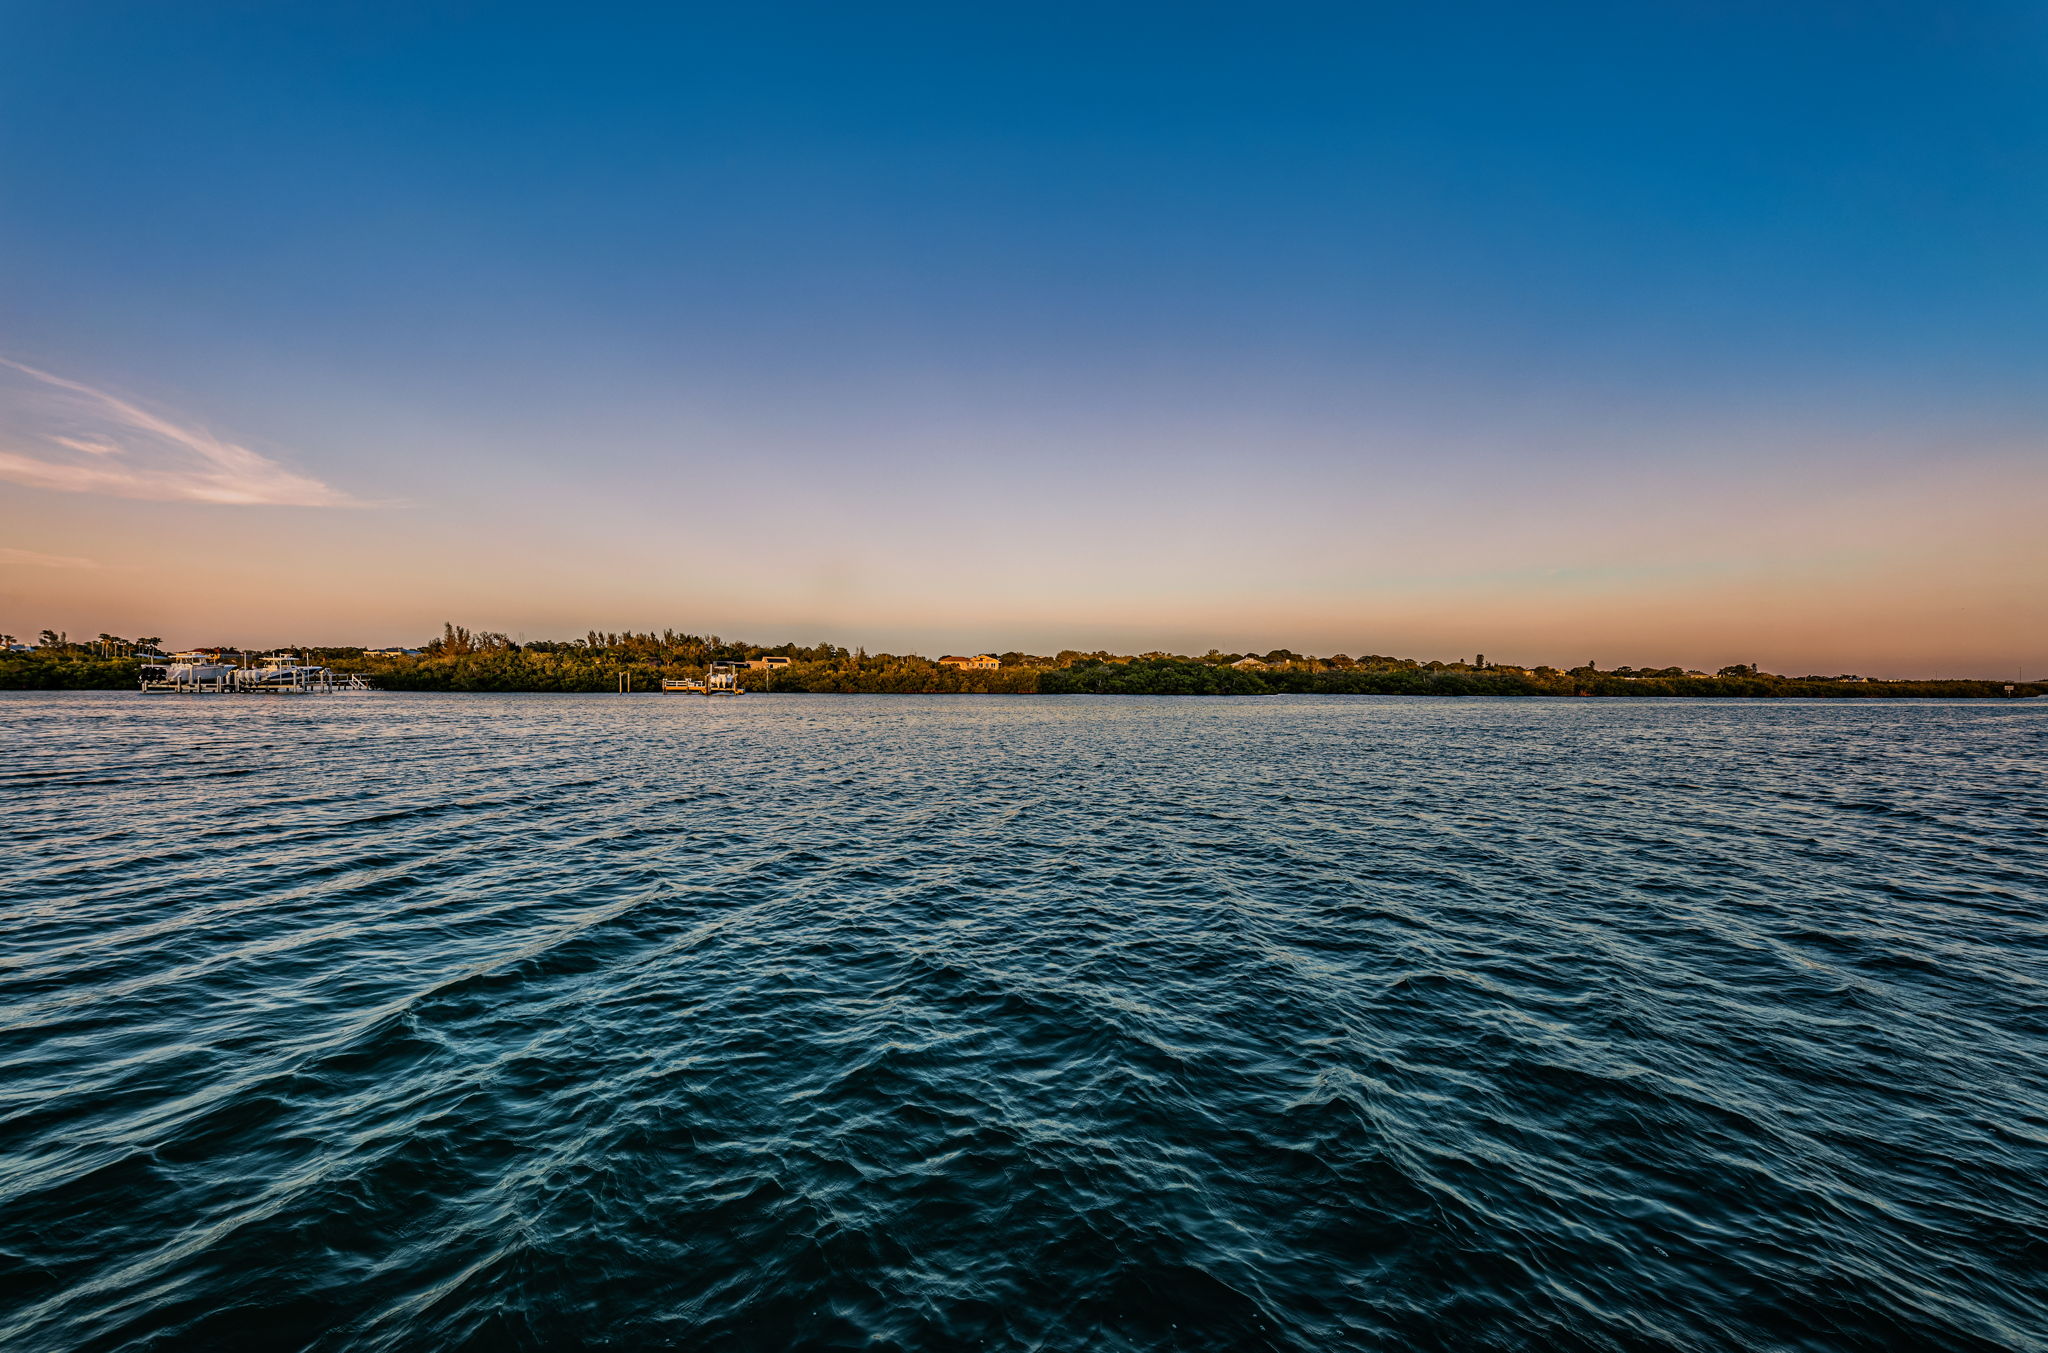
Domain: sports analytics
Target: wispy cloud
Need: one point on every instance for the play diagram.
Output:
(63, 434)
(36, 559)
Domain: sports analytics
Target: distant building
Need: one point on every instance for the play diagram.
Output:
(765, 664)
(391, 652)
(983, 663)
(1249, 661)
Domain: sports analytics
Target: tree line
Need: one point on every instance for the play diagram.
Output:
(461, 659)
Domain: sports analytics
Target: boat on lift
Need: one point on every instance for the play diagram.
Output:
(195, 672)
(278, 672)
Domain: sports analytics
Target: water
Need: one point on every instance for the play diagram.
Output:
(478, 1022)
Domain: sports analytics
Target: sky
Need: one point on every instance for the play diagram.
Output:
(1645, 334)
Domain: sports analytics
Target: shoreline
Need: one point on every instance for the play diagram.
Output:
(2022, 696)
(619, 669)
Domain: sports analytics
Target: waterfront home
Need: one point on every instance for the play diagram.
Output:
(984, 663)
(1250, 661)
(765, 664)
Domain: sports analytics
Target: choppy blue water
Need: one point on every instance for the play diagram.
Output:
(477, 1022)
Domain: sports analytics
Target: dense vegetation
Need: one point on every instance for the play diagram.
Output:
(1181, 677)
(41, 671)
(463, 660)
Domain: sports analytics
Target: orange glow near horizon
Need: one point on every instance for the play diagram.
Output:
(1909, 576)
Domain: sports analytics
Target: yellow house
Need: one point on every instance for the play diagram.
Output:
(984, 663)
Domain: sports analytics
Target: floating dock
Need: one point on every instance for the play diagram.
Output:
(723, 678)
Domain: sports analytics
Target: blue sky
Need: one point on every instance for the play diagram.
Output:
(1685, 331)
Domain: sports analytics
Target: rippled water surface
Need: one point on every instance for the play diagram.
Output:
(481, 1022)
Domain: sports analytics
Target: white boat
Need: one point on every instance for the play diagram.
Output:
(279, 671)
(282, 672)
(195, 672)
(199, 667)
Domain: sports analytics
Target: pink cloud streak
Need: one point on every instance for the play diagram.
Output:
(137, 454)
